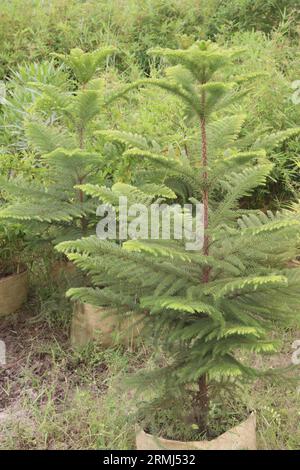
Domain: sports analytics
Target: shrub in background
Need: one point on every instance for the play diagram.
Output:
(66, 151)
(252, 15)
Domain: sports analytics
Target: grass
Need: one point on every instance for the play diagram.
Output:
(53, 397)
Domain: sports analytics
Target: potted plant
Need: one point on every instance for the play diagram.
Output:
(13, 272)
(68, 154)
(206, 309)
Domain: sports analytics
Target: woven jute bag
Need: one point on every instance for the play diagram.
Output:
(13, 292)
(102, 324)
(240, 437)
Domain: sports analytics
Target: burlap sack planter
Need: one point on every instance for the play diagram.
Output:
(101, 324)
(62, 270)
(13, 292)
(240, 437)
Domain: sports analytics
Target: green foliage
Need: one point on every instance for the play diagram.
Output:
(59, 158)
(31, 30)
(203, 307)
(268, 30)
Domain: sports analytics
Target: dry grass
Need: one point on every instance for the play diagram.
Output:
(52, 397)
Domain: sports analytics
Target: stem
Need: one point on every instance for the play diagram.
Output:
(202, 399)
(203, 402)
(83, 220)
(206, 270)
(81, 131)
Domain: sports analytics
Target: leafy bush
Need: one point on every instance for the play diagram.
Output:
(203, 307)
(67, 152)
(269, 106)
(20, 96)
(30, 30)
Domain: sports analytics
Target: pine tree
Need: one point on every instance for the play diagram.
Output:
(202, 307)
(62, 135)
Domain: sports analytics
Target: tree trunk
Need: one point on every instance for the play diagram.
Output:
(201, 405)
